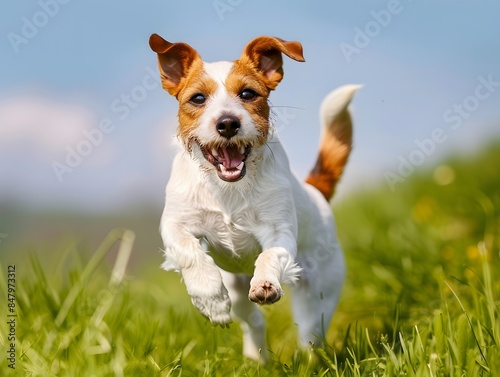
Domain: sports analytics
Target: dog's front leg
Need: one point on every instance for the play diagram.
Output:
(201, 276)
(208, 293)
(275, 265)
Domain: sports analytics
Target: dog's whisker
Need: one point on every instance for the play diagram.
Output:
(271, 152)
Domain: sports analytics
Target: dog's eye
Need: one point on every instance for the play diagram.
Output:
(198, 99)
(248, 94)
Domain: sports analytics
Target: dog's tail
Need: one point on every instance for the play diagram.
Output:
(336, 140)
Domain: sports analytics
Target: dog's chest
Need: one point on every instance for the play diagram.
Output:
(230, 239)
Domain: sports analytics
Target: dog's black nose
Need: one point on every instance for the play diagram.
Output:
(228, 126)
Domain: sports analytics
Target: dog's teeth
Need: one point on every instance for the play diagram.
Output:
(214, 152)
(240, 166)
(223, 168)
(242, 150)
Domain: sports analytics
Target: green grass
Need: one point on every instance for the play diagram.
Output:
(421, 296)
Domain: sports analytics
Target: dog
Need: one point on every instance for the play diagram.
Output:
(237, 224)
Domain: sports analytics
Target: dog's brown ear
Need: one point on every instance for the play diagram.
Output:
(174, 61)
(264, 53)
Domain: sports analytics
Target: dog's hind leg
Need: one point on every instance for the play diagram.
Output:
(247, 313)
(316, 294)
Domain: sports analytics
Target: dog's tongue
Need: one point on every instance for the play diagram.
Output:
(230, 157)
(231, 164)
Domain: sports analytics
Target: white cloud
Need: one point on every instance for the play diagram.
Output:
(43, 128)
(42, 124)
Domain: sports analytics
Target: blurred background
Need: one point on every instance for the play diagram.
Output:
(87, 134)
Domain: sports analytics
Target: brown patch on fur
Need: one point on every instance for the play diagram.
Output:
(196, 81)
(174, 61)
(260, 68)
(264, 55)
(244, 76)
(334, 151)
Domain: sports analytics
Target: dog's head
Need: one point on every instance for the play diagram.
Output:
(223, 106)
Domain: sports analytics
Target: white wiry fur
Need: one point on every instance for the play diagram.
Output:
(231, 239)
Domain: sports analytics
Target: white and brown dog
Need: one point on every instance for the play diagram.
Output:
(237, 223)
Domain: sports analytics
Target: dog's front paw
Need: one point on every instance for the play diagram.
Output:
(216, 308)
(264, 291)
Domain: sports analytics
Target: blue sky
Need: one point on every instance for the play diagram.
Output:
(67, 67)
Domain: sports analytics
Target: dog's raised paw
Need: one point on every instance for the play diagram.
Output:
(265, 292)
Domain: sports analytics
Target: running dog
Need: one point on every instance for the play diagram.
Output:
(237, 223)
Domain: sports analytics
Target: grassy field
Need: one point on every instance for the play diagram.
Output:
(421, 296)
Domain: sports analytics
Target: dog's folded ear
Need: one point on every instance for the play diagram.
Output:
(264, 54)
(174, 61)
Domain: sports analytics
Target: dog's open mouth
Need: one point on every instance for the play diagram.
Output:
(229, 160)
